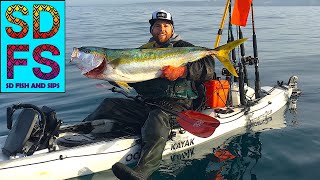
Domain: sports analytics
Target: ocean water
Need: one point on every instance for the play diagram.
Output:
(288, 44)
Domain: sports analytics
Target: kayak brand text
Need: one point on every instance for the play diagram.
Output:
(32, 46)
(182, 144)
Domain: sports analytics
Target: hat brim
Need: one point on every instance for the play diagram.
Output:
(152, 21)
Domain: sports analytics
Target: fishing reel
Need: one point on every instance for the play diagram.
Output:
(225, 72)
(249, 60)
(33, 129)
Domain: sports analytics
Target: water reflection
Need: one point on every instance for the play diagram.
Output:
(293, 115)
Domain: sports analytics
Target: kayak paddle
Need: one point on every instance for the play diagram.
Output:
(196, 123)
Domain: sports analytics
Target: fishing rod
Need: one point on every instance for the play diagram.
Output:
(231, 38)
(239, 79)
(242, 71)
(233, 57)
(222, 24)
(243, 60)
(257, 88)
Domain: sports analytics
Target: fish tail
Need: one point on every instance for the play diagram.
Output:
(222, 54)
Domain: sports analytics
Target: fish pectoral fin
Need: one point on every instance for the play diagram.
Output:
(148, 45)
(114, 63)
(124, 86)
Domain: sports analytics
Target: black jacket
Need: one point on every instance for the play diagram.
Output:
(182, 88)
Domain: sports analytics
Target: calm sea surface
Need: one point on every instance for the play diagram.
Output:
(288, 44)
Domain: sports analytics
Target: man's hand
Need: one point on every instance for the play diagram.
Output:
(173, 73)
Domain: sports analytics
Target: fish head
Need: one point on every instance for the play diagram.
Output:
(90, 60)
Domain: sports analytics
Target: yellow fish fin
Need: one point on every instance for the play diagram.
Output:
(124, 86)
(148, 45)
(222, 54)
(115, 62)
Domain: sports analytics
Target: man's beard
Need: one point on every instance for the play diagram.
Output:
(163, 42)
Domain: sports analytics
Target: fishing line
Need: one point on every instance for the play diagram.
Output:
(242, 115)
(62, 158)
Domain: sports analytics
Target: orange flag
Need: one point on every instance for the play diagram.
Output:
(240, 12)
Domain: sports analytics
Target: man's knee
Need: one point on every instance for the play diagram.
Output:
(157, 124)
(160, 117)
(109, 103)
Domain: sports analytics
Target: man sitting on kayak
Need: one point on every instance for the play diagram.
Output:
(175, 90)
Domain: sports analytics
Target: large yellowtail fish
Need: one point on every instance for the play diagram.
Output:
(135, 65)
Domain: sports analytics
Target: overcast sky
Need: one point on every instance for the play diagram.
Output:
(218, 2)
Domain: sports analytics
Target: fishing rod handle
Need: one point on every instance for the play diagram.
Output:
(255, 47)
(242, 50)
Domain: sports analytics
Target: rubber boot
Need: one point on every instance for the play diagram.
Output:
(155, 133)
(123, 172)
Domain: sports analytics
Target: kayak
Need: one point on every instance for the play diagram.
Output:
(72, 151)
(238, 143)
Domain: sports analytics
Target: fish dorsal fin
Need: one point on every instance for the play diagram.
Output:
(124, 86)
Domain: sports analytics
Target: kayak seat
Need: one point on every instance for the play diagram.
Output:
(75, 140)
(100, 129)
